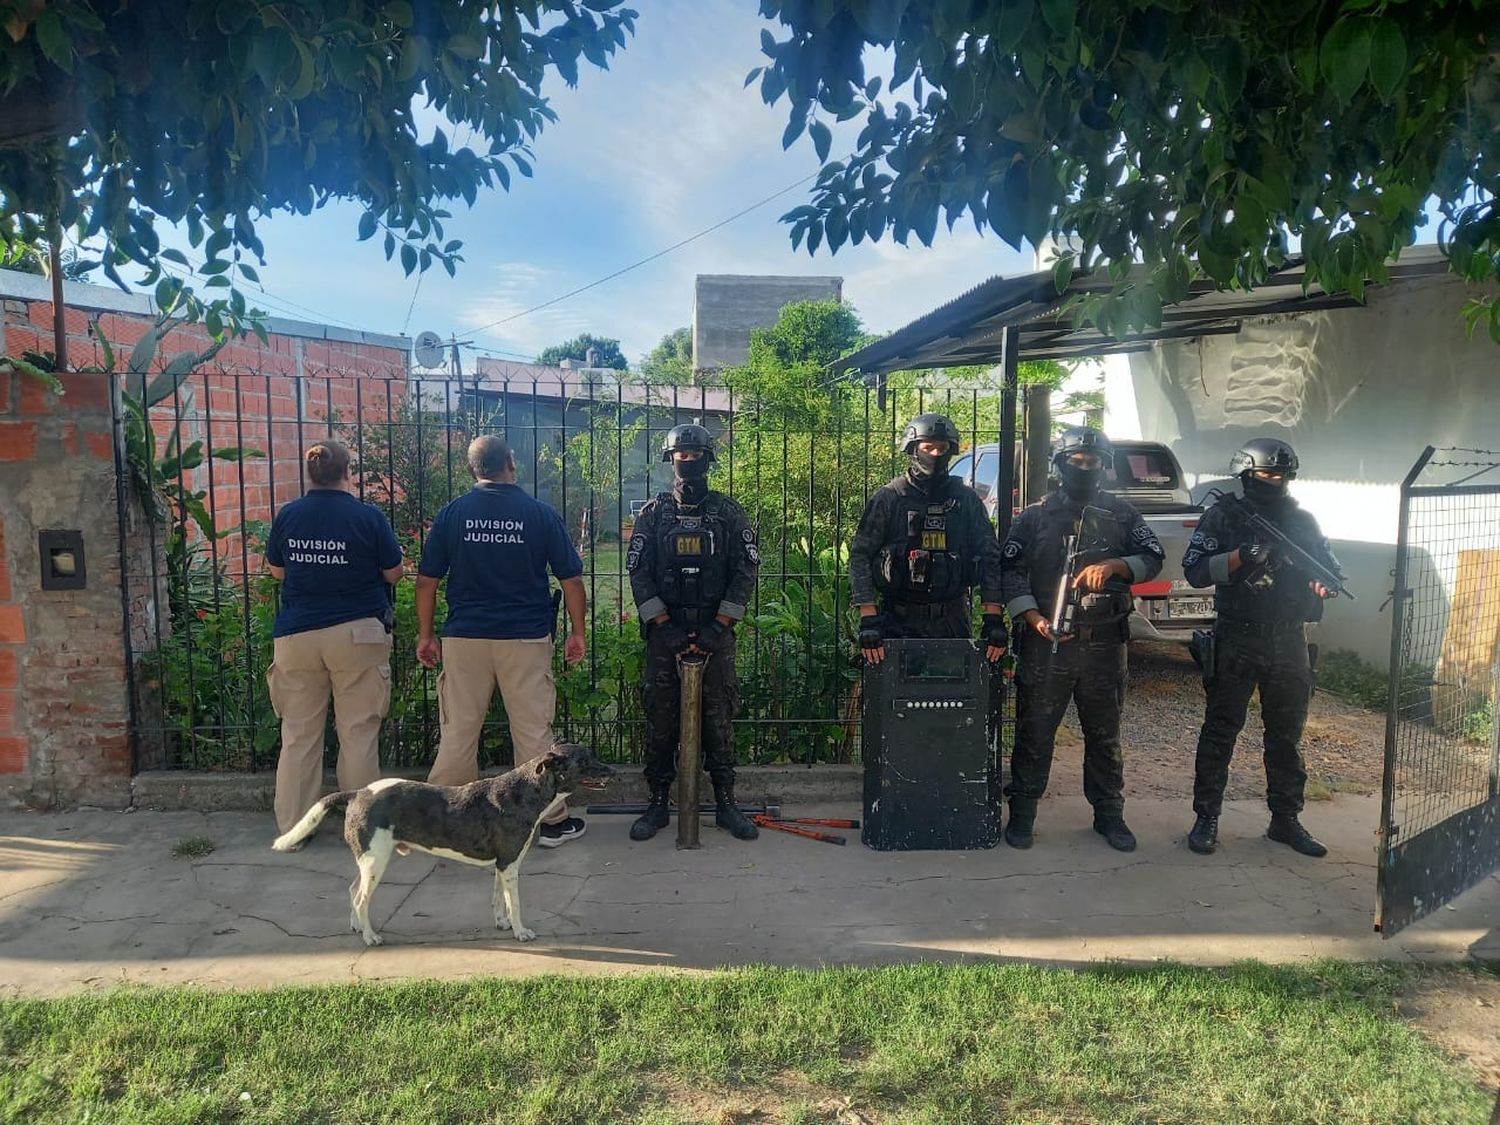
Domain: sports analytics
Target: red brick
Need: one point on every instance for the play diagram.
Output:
(101, 446)
(20, 340)
(17, 441)
(36, 396)
(4, 567)
(5, 381)
(14, 754)
(8, 703)
(10, 668)
(86, 392)
(12, 625)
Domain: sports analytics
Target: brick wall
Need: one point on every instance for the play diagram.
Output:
(65, 715)
(64, 709)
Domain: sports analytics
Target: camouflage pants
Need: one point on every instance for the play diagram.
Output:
(1091, 671)
(661, 696)
(1278, 665)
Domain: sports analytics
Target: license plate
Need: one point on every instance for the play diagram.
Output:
(1190, 607)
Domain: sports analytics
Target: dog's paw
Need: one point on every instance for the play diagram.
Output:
(374, 939)
(523, 934)
(502, 922)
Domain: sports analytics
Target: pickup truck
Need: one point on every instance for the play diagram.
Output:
(1147, 475)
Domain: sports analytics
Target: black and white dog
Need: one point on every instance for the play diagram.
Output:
(492, 821)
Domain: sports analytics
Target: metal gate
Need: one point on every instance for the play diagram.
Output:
(1440, 814)
(215, 454)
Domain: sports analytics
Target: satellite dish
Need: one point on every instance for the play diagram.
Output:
(429, 349)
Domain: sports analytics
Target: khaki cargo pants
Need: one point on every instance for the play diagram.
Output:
(353, 662)
(472, 668)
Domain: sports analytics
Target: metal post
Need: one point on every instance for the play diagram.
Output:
(1399, 595)
(1038, 442)
(1010, 350)
(689, 747)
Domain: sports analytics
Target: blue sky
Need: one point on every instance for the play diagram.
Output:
(661, 146)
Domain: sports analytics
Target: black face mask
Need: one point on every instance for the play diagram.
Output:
(691, 485)
(928, 467)
(1079, 484)
(1263, 494)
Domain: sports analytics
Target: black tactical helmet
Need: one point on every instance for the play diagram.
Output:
(688, 437)
(1269, 454)
(930, 427)
(1082, 439)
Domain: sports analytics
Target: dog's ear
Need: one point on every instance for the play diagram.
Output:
(551, 761)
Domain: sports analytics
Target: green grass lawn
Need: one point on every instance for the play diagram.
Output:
(927, 1043)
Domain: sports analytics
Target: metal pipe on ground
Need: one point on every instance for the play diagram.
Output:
(703, 809)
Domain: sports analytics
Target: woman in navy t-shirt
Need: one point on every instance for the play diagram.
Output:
(337, 559)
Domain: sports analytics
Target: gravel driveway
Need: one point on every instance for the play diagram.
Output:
(1343, 744)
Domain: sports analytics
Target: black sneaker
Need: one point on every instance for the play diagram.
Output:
(556, 835)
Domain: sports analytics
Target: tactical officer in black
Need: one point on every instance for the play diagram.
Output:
(924, 542)
(1113, 548)
(693, 562)
(1258, 640)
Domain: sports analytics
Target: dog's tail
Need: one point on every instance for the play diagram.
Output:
(309, 823)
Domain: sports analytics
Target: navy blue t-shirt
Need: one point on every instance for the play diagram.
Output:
(333, 546)
(495, 545)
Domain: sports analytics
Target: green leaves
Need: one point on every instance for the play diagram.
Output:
(208, 114)
(1387, 58)
(53, 39)
(1196, 140)
(1345, 56)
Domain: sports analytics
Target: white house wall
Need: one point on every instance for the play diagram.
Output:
(1358, 392)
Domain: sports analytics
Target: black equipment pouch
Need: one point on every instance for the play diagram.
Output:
(1204, 649)
(557, 597)
(388, 614)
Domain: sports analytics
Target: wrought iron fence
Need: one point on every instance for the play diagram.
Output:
(202, 607)
(1440, 818)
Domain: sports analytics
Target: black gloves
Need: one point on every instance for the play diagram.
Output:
(994, 631)
(870, 635)
(711, 633)
(673, 636)
(1256, 554)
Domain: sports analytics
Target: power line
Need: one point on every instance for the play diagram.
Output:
(650, 258)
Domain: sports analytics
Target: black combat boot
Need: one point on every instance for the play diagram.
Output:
(1115, 832)
(1018, 828)
(728, 816)
(1287, 829)
(1204, 837)
(656, 816)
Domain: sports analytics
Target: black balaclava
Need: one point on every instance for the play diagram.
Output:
(1079, 484)
(691, 483)
(1263, 494)
(926, 469)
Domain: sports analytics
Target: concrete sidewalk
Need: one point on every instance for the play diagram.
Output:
(90, 900)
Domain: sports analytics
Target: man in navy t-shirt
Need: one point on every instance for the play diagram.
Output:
(337, 559)
(495, 546)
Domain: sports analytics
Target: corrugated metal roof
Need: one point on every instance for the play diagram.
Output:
(970, 328)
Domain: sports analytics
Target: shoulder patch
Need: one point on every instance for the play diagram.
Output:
(1011, 550)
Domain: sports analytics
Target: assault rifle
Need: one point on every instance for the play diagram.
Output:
(1295, 557)
(1066, 603)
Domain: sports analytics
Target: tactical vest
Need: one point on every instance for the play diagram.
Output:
(1104, 534)
(692, 553)
(926, 557)
(1268, 597)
